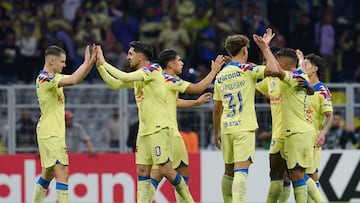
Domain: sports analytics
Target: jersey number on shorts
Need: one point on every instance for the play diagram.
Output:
(232, 104)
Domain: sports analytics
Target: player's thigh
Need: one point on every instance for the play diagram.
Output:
(179, 152)
(227, 148)
(52, 150)
(160, 146)
(277, 158)
(299, 149)
(244, 146)
(142, 152)
(316, 161)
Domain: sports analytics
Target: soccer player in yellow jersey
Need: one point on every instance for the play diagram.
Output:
(234, 116)
(171, 62)
(320, 111)
(51, 126)
(153, 144)
(298, 129)
(272, 88)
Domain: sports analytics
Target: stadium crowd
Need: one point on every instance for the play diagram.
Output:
(195, 28)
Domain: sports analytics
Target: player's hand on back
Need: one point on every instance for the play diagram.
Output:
(227, 59)
(218, 63)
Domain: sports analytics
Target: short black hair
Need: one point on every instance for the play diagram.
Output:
(286, 52)
(144, 48)
(317, 61)
(54, 51)
(165, 56)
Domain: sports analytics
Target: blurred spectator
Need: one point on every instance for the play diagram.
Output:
(75, 135)
(185, 9)
(87, 35)
(5, 27)
(9, 55)
(69, 8)
(198, 22)
(210, 39)
(131, 139)
(150, 26)
(191, 138)
(175, 37)
(117, 56)
(27, 44)
(279, 39)
(107, 37)
(112, 131)
(302, 37)
(325, 38)
(339, 134)
(126, 29)
(351, 63)
(279, 14)
(25, 130)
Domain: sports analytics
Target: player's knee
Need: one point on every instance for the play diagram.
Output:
(143, 170)
(276, 174)
(183, 170)
(229, 170)
(296, 174)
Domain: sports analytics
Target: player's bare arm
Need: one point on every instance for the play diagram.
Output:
(301, 81)
(326, 126)
(82, 71)
(217, 111)
(182, 103)
(204, 83)
(115, 72)
(272, 66)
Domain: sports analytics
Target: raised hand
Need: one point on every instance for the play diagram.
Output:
(94, 54)
(268, 36)
(100, 59)
(260, 42)
(87, 55)
(300, 57)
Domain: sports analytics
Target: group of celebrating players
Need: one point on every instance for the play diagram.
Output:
(289, 80)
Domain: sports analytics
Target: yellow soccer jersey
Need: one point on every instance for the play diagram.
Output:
(52, 104)
(174, 85)
(150, 99)
(273, 87)
(293, 104)
(318, 104)
(235, 87)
